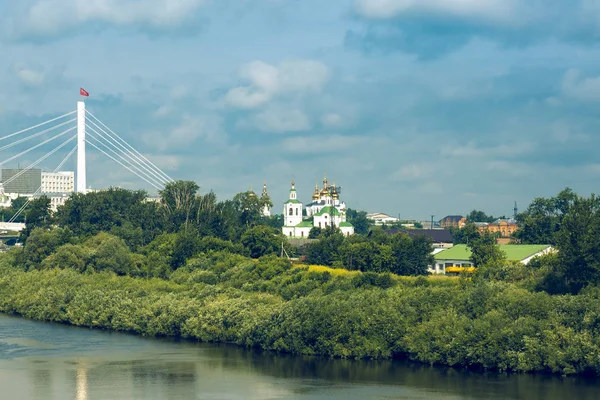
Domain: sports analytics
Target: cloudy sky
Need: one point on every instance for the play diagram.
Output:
(414, 107)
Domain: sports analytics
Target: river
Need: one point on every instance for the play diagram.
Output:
(52, 361)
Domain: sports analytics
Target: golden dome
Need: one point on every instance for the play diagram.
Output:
(315, 195)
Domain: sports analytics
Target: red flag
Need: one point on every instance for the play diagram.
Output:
(83, 92)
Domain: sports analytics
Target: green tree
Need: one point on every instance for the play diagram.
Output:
(485, 251)
(91, 213)
(109, 253)
(37, 215)
(410, 256)
(315, 232)
(578, 245)
(359, 220)
(466, 234)
(179, 201)
(543, 218)
(248, 207)
(326, 250)
(480, 216)
(41, 243)
(262, 240)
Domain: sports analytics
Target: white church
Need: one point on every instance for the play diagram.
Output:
(326, 209)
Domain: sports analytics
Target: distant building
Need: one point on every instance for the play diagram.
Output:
(381, 218)
(326, 210)
(440, 238)
(321, 198)
(21, 181)
(56, 199)
(58, 182)
(451, 221)
(458, 257)
(266, 201)
(504, 227)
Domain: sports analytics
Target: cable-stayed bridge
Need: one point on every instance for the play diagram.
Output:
(70, 133)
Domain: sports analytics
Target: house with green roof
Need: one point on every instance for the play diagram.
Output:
(328, 215)
(459, 256)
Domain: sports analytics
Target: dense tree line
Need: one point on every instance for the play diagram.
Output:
(375, 252)
(162, 235)
(195, 267)
(492, 323)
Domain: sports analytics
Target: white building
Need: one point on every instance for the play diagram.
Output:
(266, 200)
(331, 212)
(381, 218)
(327, 196)
(58, 182)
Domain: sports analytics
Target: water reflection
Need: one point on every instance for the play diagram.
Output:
(84, 364)
(82, 387)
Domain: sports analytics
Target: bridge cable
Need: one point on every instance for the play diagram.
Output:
(35, 135)
(123, 165)
(152, 173)
(38, 125)
(39, 160)
(29, 200)
(132, 148)
(37, 145)
(113, 151)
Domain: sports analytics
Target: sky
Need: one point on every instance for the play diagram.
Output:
(413, 107)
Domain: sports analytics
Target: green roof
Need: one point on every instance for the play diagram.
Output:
(328, 210)
(346, 225)
(514, 252)
(292, 201)
(305, 224)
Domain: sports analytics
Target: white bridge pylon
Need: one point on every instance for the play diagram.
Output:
(81, 172)
(90, 130)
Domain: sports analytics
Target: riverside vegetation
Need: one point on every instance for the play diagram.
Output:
(196, 268)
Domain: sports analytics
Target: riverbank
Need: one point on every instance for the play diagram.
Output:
(273, 306)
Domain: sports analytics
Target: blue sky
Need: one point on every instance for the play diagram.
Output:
(413, 107)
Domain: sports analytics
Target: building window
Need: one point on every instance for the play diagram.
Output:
(291, 211)
(302, 234)
(319, 224)
(296, 211)
(290, 234)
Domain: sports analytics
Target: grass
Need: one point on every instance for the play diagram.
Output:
(438, 279)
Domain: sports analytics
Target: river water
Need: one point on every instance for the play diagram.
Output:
(51, 361)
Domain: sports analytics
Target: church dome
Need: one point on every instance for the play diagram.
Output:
(316, 195)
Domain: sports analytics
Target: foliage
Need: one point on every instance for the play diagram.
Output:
(543, 218)
(359, 220)
(113, 260)
(485, 251)
(269, 304)
(479, 216)
(465, 234)
(263, 240)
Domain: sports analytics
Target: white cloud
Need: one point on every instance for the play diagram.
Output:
(281, 119)
(332, 120)
(54, 16)
(321, 144)
(578, 87)
(412, 172)
(266, 81)
(190, 129)
(493, 10)
(503, 150)
(30, 76)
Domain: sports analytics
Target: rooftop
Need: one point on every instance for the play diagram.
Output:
(328, 210)
(305, 224)
(514, 252)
